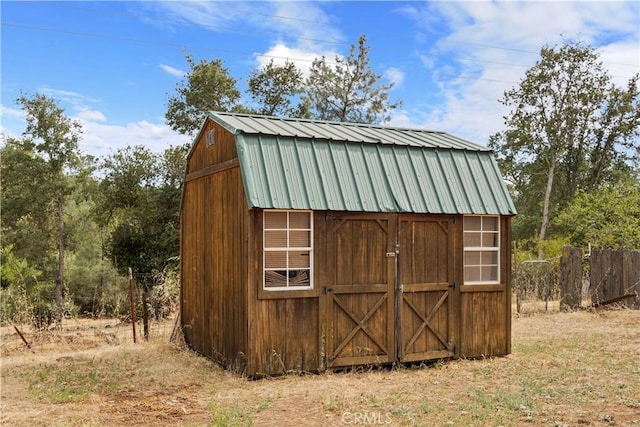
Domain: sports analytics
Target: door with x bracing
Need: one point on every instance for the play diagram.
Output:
(391, 294)
(360, 296)
(427, 288)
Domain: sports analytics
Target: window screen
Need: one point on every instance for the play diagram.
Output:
(288, 250)
(481, 249)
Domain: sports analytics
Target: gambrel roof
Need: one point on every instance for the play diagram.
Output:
(316, 165)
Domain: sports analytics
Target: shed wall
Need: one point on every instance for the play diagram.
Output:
(292, 332)
(223, 150)
(485, 310)
(283, 331)
(214, 255)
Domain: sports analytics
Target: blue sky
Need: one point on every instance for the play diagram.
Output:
(112, 64)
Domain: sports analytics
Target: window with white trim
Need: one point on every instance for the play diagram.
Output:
(481, 249)
(287, 250)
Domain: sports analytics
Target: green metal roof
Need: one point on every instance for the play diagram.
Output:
(305, 164)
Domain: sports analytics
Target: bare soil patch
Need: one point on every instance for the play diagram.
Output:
(566, 369)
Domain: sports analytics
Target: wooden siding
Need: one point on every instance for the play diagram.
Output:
(283, 329)
(223, 150)
(485, 310)
(427, 267)
(352, 323)
(359, 295)
(214, 257)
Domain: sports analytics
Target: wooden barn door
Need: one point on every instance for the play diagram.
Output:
(359, 295)
(426, 289)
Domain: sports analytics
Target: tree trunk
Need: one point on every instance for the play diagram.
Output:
(60, 275)
(545, 208)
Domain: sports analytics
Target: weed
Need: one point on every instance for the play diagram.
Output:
(402, 411)
(631, 403)
(438, 364)
(228, 416)
(68, 383)
(264, 404)
(334, 404)
(399, 366)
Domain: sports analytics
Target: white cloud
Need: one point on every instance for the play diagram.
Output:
(402, 119)
(74, 98)
(172, 71)
(8, 113)
(205, 14)
(308, 26)
(304, 21)
(294, 31)
(302, 58)
(12, 122)
(101, 139)
(489, 45)
(82, 106)
(91, 115)
(394, 75)
(622, 59)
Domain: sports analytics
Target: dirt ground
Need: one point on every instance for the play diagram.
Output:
(566, 369)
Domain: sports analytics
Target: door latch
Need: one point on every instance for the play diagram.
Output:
(326, 289)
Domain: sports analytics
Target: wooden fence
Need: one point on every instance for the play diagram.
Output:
(614, 277)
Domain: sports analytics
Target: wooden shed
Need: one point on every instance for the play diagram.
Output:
(310, 245)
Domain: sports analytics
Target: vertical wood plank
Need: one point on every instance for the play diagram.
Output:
(213, 215)
(322, 266)
(571, 278)
(507, 257)
(632, 286)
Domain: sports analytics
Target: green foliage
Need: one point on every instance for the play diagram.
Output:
(50, 150)
(27, 208)
(51, 244)
(348, 90)
(22, 171)
(208, 86)
(140, 201)
(128, 174)
(92, 282)
(569, 130)
(55, 136)
(608, 218)
(19, 280)
(275, 88)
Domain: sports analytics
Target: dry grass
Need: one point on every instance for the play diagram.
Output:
(579, 368)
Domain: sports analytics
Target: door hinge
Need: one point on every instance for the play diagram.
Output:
(326, 289)
(453, 285)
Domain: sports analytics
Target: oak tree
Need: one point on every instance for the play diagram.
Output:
(207, 86)
(276, 90)
(54, 137)
(569, 129)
